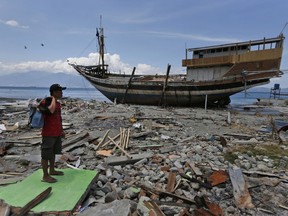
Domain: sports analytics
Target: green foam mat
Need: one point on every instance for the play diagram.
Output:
(65, 194)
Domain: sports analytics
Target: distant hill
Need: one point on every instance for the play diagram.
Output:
(43, 79)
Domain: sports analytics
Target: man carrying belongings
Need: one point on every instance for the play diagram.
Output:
(52, 132)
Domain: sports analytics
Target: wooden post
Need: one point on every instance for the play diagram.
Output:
(165, 85)
(128, 85)
(206, 99)
(127, 140)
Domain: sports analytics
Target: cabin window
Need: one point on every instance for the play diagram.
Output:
(225, 49)
(243, 47)
(201, 54)
(219, 50)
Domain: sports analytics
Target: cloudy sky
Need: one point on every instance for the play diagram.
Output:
(40, 35)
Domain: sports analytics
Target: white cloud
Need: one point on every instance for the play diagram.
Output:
(13, 23)
(191, 37)
(113, 60)
(115, 64)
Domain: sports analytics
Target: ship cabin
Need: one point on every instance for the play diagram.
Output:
(216, 62)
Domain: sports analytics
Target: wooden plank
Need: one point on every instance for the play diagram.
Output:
(160, 192)
(122, 160)
(74, 139)
(73, 146)
(282, 206)
(154, 208)
(127, 138)
(195, 169)
(150, 146)
(38, 199)
(171, 181)
(29, 137)
(11, 180)
(240, 189)
(266, 174)
(4, 209)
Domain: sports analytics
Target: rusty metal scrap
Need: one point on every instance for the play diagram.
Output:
(207, 208)
(218, 177)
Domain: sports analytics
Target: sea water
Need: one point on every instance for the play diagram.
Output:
(39, 92)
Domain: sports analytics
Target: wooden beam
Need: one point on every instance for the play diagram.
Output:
(165, 85)
(23, 211)
(128, 85)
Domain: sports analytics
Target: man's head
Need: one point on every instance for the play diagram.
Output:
(56, 90)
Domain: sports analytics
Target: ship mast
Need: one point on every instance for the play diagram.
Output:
(100, 37)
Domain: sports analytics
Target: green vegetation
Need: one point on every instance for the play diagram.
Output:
(272, 151)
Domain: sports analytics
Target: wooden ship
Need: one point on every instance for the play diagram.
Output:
(213, 74)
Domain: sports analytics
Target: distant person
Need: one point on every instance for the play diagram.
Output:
(52, 132)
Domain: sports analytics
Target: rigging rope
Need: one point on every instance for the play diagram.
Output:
(87, 46)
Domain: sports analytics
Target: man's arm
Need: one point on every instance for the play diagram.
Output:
(52, 106)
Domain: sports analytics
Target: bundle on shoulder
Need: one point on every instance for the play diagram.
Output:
(38, 108)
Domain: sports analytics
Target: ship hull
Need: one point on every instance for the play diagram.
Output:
(180, 93)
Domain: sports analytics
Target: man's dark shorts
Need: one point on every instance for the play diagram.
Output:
(50, 146)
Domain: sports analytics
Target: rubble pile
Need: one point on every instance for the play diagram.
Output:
(161, 161)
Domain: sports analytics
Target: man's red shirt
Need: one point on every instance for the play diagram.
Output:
(53, 122)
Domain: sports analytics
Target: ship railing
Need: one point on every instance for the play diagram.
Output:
(258, 55)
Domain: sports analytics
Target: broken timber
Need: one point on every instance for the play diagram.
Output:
(74, 139)
(122, 160)
(23, 211)
(102, 140)
(240, 189)
(160, 192)
(171, 181)
(128, 85)
(203, 184)
(128, 155)
(154, 208)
